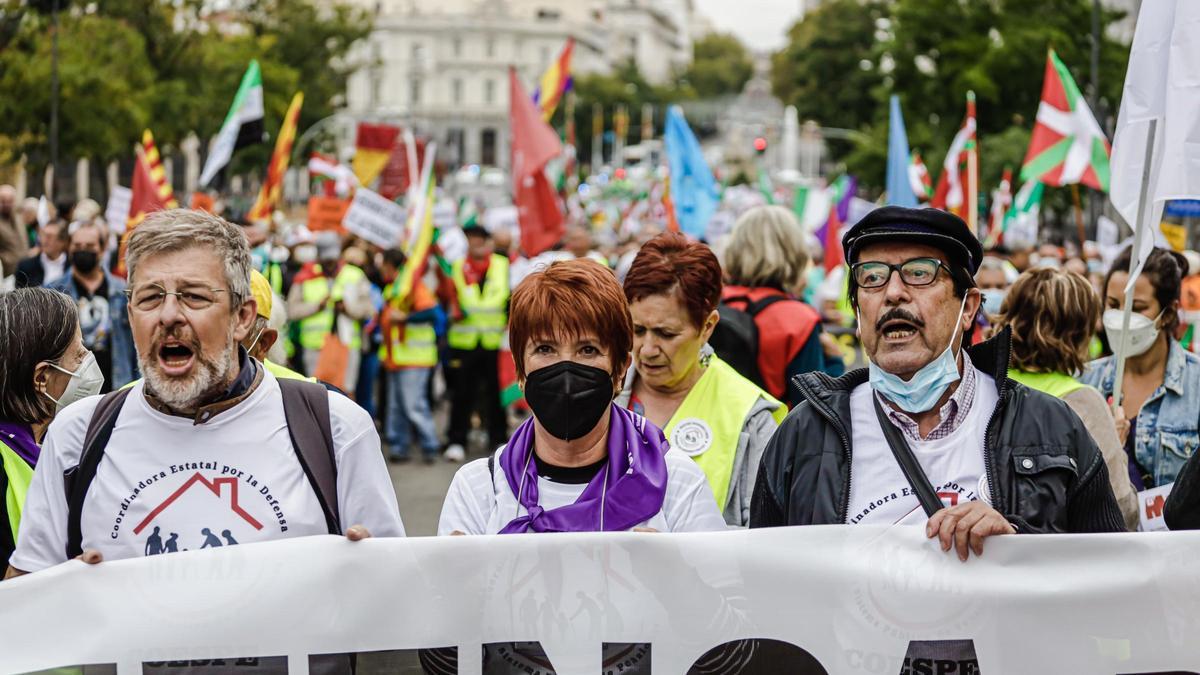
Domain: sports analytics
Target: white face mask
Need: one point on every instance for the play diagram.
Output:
(305, 254)
(85, 381)
(1143, 331)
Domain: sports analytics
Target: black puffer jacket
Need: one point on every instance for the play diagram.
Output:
(1045, 471)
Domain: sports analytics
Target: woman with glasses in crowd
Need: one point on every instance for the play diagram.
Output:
(44, 367)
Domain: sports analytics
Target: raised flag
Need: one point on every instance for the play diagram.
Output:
(899, 188)
(271, 193)
(555, 82)
(417, 251)
(1068, 146)
(693, 188)
(1001, 201)
(832, 242)
(534, 144)
(336, 179)
(811, 206)
(150, 192)
(919, 179)
(956, 185)
(373, 144)
(243, 124)
(1020, 224)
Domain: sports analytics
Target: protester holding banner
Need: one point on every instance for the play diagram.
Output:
(1052, 315)
(44, 367)
(478, 317)
(206, 418)
(581, 463)
(766, 257)
(931, 436)
(706, 409)
(1159, 400)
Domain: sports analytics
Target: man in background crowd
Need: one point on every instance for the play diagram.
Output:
(50, 263)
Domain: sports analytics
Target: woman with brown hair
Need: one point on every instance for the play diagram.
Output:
(1053, 316)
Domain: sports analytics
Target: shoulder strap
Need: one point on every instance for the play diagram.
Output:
(7, 543)
(79, 478)
(754, 308)
(908, 462)
(306, 410)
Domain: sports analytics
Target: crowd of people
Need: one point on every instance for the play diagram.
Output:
(691, 389)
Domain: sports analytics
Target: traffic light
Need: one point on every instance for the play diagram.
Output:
(760, 145)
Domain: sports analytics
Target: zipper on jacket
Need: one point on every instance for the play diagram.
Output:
(1005, 392)
(831, 417)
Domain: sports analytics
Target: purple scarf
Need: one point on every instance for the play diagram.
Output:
(19, 439)
(636, 474)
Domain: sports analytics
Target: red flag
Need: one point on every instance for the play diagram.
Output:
(151, 192)
(834, 257)
(533, 144)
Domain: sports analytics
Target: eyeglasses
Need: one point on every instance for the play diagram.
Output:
(150, 297)
(915, 272)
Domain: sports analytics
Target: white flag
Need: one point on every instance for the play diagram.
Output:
(1161, 84)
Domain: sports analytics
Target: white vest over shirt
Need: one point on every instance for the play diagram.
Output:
(480, 503)
(164, 480)
(879, 492)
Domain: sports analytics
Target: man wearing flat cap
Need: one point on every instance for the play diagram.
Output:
(929, 434)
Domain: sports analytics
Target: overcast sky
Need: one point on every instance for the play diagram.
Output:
(761, 24)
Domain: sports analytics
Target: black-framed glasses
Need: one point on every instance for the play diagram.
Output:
(149, 297)
(915, 272)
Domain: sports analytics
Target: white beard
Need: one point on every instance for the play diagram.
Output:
(187, 394)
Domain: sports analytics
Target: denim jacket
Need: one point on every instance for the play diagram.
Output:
(1168, 426)
(124, 356)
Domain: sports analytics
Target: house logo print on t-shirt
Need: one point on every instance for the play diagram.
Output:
(216, 505)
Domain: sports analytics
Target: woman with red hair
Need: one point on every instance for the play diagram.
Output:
(580, 464)
(708, 411)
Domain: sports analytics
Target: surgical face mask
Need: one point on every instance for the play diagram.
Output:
(250, 349)
(568, 398)
(993, 298)
(920, 393)
(1143, 331)
(85, 381)
(305, 254)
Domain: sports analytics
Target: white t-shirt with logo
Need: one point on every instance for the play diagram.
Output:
(879, 492)
(166, 484)
(477, 504)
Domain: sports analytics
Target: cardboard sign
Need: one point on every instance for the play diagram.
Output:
(1150, 508)
(326, 213)
(376, 219)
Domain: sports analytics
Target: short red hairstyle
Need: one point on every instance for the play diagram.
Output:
(670, 263)
(568, 299)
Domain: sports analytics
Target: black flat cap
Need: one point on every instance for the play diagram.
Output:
(932, 227)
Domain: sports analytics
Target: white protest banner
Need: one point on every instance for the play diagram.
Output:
(1150, 508)
(815, 600)
(116, 212)
(375, 218)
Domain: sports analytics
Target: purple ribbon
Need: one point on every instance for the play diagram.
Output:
(19, 438)
(636, 477)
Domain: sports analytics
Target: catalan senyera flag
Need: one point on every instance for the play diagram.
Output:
(555, 82)
(151, 191)
(271, 192)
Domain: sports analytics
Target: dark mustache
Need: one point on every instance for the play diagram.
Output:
(898, 314)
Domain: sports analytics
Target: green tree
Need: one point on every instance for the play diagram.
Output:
(720, 66)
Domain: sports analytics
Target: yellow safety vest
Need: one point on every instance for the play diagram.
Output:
(284, 373)
(19, 475)
(1057, 385)
(708, 424)
(313, 329)
(485, 310)
(413, 345)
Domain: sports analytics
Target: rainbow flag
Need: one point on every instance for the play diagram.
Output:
(555, 82)
(272, 188)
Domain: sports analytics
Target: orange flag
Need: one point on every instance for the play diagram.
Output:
(271, 193)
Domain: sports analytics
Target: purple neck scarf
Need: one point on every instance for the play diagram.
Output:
(19, 439)
(636, 477)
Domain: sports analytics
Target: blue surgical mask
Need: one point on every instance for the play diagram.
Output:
(992, 300)
(920, 393)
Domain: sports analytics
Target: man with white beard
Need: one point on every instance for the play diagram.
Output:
(209, 441)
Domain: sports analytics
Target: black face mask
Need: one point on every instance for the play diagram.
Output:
(84, 261)
(569, 398)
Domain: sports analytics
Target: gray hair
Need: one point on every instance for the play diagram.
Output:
(36, 325)
(182, 229)
(766, 249)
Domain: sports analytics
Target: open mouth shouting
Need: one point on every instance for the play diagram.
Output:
(175, 357)
(898, 326)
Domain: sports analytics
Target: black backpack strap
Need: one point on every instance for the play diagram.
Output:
(7, 544)
(78, 479)
(908, 462)
(306, 409)
(753, 308)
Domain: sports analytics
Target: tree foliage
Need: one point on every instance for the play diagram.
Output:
(170, 65)
(720, 66)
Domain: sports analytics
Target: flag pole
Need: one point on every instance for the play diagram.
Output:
(1078, 215)
(973, 173)
(1138, 233)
